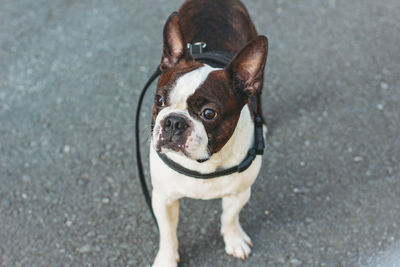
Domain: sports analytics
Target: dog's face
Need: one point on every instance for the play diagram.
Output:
(197, 107)
(195, 110)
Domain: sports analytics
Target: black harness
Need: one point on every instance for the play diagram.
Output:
(214, 59)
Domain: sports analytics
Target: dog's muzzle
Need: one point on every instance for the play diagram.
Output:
(173, 128)
(173, 133)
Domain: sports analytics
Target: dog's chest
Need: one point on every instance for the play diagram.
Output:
(173, 184)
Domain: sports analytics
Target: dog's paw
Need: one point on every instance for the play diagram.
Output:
(237, 243)
(166, 260)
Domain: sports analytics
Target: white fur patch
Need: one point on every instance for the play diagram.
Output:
(186, 85)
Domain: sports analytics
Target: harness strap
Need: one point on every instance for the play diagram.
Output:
(239, 168)
(216, 59)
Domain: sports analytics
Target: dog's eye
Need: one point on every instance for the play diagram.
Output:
(209, 114)
(159, 100)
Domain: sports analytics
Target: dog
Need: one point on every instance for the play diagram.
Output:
(203, 120)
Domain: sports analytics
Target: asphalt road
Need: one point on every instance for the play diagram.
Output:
(329, 190)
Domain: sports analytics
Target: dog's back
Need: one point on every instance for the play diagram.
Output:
(224, 25)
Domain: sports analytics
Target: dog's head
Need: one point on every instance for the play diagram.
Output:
(197, 107)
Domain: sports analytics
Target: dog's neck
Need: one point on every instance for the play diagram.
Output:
(234, 151)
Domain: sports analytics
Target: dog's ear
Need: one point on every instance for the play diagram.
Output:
(247, 67)
(174, 43)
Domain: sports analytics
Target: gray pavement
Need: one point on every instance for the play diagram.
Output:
(329, 190)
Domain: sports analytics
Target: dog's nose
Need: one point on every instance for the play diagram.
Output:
(175, 125)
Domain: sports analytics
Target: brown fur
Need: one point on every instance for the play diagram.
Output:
(217, 94)
(224, 25)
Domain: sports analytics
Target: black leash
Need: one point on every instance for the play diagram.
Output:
(214, 59)
(142, 179)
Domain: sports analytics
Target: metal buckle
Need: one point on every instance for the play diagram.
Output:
(196, 48)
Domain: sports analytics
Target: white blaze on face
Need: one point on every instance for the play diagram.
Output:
(185, 86)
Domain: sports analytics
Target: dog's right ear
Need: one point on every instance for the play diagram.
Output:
(174, 43)
(247, 67)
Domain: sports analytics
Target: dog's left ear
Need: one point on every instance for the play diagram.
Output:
(174, 43)
(247, 67)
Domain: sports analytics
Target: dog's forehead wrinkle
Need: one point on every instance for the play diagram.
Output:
(187, 84)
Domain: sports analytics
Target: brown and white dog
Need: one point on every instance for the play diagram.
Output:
(202, 118)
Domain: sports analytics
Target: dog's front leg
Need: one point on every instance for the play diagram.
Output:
(167, 215)
(236, 240)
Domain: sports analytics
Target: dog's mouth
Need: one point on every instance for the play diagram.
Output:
(164, 147)
(202, 160)
(170, 136)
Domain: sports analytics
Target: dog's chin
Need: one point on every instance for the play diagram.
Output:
(180, 151)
